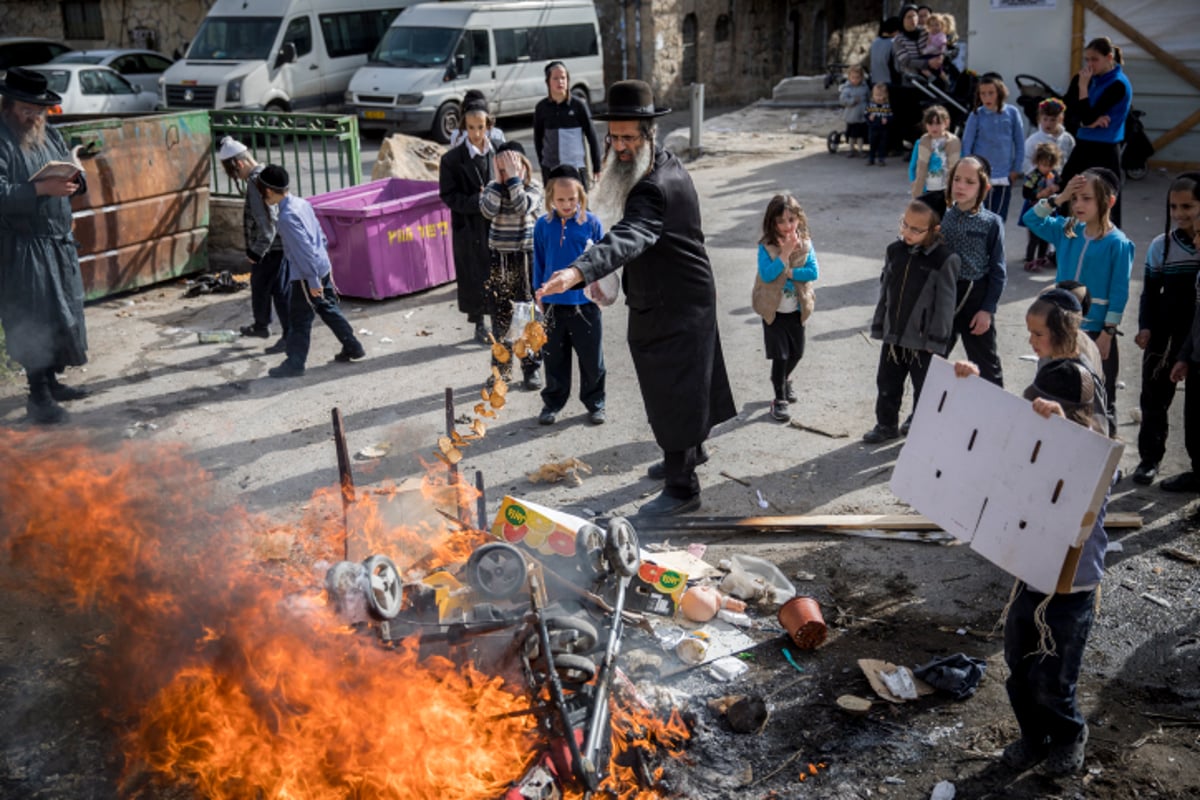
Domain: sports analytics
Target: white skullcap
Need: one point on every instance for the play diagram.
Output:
(230, 148)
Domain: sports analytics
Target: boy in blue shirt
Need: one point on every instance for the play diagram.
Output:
(310, 273)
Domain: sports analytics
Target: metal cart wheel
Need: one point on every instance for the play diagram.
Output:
(621, 547)
(589, 549)
(496, 570)
(568, 635)
(1136, 173)
(571, 668)
(385, 592)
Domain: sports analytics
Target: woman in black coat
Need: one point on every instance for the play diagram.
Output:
(462, 174)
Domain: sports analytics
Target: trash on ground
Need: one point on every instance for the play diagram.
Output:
(727, 668)
(558, 471)
(137, 427)
(757, 580)
(1181, 555)
(701, 603)
(744, 713)
(217, 336)
(378, 450)
(385, 340)
(875, 670)
(801, 618)
(958, 674)
(1158, 601)
(854, 704)
(223, 282)
(944, 790)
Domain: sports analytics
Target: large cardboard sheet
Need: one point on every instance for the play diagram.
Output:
(1022, 490)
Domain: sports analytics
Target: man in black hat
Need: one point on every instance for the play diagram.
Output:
(669, 289)
(41, 288)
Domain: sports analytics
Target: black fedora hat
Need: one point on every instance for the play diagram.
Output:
(28, 86)
(631, 100)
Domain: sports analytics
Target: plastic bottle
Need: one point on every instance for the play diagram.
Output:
(217, 336)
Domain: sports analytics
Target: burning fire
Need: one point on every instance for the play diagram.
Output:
(224, 670)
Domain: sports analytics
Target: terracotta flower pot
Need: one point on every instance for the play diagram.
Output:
(801, 618)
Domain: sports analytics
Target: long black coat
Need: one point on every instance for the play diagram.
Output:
(41, 287)
(672, 301)
(459, 184)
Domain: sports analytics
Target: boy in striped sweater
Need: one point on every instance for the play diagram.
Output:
(511, 202)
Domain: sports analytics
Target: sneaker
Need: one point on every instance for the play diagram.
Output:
(597, 417)
(789, 392)
(349, 354)
(1183, 482)
(906, 425)
(278, 347)
(881, 433)
(1067, 759)
(1023, 754)
(1032, 265)
(286, 370)
(256, 332)
(1145, 473)
(547, 417)
(779, 411)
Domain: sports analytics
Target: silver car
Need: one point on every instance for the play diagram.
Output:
(89, 90)
(140, 67)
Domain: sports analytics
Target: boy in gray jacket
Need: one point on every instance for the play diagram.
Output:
(854, 95)
(915, 314)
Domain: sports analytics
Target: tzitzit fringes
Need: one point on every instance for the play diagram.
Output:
(1012, 598)
(1046, 645)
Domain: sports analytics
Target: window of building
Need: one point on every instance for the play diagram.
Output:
(82, 19)
(724, 28)
(689, 50)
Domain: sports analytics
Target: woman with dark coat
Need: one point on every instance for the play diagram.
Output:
(463, 173)
(1099, 98)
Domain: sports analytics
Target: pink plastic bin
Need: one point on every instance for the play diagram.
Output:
(387, 238)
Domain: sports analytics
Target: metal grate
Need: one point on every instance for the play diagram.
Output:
(383, 100)
(191, 96)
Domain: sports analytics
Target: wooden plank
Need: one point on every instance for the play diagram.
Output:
(1182, 128)
(880, 526)
(1137, 37)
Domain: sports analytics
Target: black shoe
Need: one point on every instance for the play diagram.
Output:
(350, 353)
(481, 333)
(277, 348)
(657, 471)
(597, 417)
(547, 417)
(64, 394)
(881, 433)
(46, 412)
(1145, 473)
(286, 370)
(532, 381)
(1183, 482)
(255, 331)
(1067, 759)
(1023, 754)
(906, 425)
(665, 505)
(779, 411)
(789, 392)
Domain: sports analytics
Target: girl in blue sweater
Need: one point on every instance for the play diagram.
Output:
(783, 293)
(1093, 251)
(996, 131)
(572, 320)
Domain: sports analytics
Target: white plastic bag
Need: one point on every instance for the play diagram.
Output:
(524, 312)
(605, 291)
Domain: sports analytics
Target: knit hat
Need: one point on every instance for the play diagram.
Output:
(1051, 107)
(274, 177)
(229, 148)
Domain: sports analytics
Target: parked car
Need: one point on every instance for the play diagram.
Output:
(140, 67)
(90, 90)
(21, 51)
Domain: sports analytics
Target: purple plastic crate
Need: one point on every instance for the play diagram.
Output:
(387, 238)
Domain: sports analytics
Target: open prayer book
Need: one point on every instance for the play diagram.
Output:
(59, 169)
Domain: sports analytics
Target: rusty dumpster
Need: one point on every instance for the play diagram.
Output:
(144, 218)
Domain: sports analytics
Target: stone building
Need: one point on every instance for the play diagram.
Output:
(738, 48)
(83, 24)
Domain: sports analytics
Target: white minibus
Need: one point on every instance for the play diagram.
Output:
(415, 79)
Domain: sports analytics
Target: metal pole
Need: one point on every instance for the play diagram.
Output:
(697, 116)
(345, 476)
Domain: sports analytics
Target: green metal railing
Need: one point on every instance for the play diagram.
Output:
(319, 151)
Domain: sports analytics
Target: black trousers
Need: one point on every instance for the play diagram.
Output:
(1036, 247)
(877, 140)
(304, 308)
(1111, 366)
(269, 287)
(1158, 390)
(895, 364)
(680, 478)
(575, 329)
(980, 349)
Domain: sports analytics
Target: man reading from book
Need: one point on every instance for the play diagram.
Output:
(41, 288)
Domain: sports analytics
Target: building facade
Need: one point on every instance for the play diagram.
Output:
(83, 24)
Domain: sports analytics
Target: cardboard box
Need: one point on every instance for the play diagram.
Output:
(655, 590)
(543, 530)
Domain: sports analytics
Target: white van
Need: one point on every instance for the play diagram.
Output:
(434, 52)
(281, 55)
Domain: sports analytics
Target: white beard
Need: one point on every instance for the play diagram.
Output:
(617, 179)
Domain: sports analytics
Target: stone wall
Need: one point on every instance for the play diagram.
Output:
(163, 26)
(738, 48)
